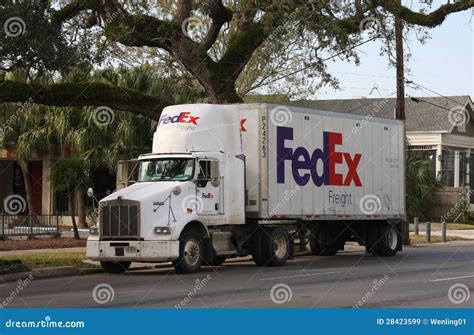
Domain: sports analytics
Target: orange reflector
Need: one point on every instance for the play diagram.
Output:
(190, 210)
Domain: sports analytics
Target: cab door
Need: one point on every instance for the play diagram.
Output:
(209, 186)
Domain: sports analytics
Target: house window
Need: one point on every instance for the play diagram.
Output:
(430, 155)
(462, 169)
(447, 169)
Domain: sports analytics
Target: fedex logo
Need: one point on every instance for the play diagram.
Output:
(208, 196)
(304, 166)
(184, 117)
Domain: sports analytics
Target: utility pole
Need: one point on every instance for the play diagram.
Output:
(400, 108)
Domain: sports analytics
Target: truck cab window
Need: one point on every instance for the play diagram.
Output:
(204, 173)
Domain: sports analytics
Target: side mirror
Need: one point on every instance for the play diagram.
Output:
(90, 192)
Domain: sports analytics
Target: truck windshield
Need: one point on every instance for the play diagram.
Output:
(166, 169)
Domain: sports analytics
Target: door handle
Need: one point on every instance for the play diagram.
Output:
(216, 206)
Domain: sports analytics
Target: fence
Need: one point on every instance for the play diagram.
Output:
(28, 225)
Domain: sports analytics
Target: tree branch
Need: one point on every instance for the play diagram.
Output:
(432, 19)
(183, 11)
(84, 94)
(219, 14)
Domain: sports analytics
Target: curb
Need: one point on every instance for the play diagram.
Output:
(62, 271)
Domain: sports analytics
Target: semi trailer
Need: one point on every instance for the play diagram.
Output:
(245, 179)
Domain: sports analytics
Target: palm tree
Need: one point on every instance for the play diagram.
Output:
(421, 182)
(25, 135)
(70, 174)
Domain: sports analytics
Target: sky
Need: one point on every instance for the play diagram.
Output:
(444, 64)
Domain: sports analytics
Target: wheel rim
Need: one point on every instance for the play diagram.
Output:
(280, 246)
(392, 239)
(191, 252)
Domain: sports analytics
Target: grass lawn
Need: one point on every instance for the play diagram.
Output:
(420, 239)
(41, 243)
(454, 226)
(47, 260)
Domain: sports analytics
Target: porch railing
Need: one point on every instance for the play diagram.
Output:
(28, 225)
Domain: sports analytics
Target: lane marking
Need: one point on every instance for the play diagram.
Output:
(305, 275)
(452, 278)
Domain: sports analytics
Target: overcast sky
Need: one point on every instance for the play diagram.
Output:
(444, 64)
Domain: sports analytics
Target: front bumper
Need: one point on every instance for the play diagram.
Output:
(135, 251)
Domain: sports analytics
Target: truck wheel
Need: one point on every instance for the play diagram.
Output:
(388, 241)
(214, 259)
(115, 267)
(278, 245)
(319, 247)
(314, 242)
(190, 252)
(257, 251)
(272, 247)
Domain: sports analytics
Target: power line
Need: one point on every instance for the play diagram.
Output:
(408, 82)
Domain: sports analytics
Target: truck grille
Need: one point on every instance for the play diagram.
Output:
(119, 220)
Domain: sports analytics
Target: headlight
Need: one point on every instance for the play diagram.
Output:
(94, 230)
(162, 230)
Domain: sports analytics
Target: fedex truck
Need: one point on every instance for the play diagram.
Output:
(244, 179)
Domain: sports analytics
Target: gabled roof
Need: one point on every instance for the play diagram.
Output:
(429, 114)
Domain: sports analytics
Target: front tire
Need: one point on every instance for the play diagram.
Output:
(191, 251)
(115, 267)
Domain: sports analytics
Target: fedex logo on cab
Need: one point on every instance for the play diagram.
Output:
(304, 165)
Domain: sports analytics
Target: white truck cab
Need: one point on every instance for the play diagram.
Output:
(233, 180)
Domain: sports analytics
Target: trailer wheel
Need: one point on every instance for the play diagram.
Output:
(388, 241)
(115, 267)
(190, 252)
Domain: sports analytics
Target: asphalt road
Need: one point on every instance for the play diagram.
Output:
(416, 277)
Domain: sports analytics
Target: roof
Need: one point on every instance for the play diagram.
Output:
(429, 114)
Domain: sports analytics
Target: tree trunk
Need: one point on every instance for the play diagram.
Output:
(28, 189)
(81, 209)
(70, 202)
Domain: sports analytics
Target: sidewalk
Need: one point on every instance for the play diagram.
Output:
(436, 230)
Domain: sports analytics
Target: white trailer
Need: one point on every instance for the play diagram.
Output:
(235, 180)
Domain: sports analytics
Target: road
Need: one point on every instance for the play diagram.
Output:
(417, 277)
